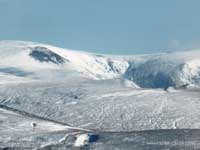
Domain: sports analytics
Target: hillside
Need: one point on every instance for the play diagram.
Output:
(27, 61)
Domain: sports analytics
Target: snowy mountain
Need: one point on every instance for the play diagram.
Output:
(50, 95)
(39, 56)
(33, 61)
(171, 69)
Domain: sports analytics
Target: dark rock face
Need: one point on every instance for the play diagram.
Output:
(43, 54)
(152, 74)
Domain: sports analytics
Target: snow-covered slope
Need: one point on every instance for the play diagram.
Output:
(178, 69)
(59, 88)
(33, 56)
(41, 61)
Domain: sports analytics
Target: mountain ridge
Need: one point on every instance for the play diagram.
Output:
(147, 71)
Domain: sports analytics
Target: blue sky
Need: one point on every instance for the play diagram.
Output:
(104, 26)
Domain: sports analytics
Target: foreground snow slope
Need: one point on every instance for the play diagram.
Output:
(40, 61)
(17, 132)
(100, 105)
(105, 105)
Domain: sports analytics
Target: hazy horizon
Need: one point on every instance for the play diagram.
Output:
(108, 27)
